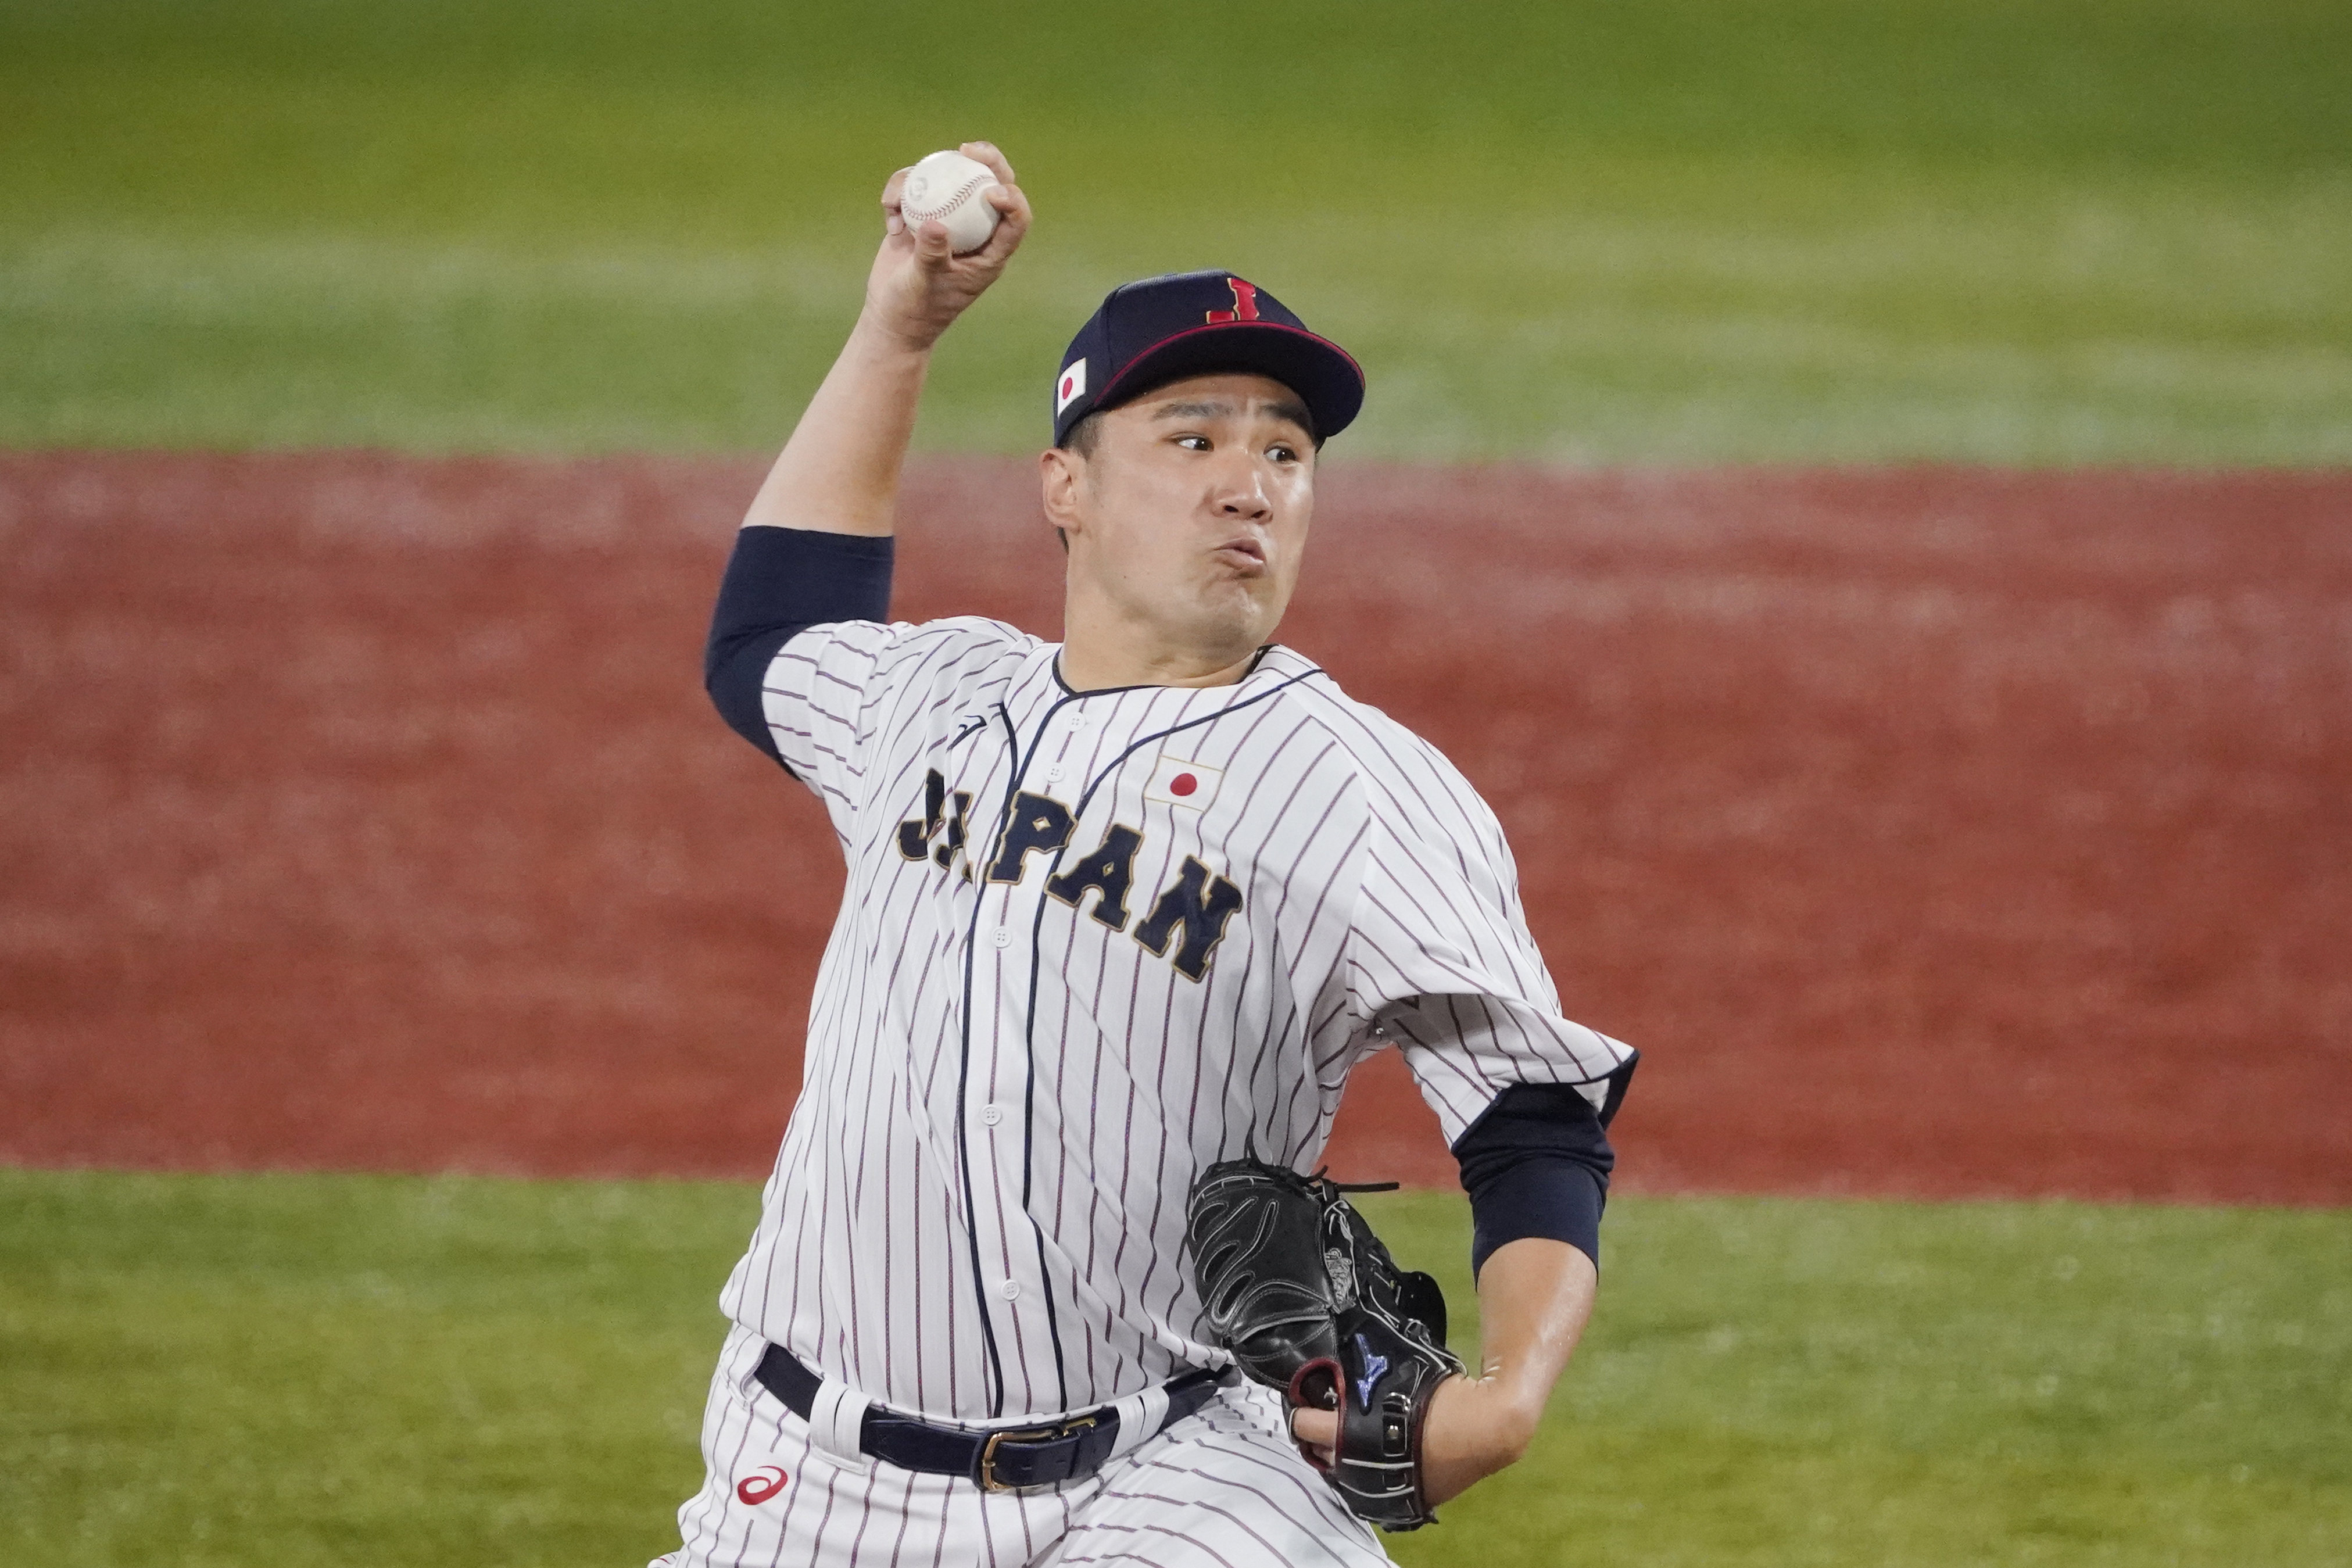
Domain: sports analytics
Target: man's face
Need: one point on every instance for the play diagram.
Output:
(1189, 515)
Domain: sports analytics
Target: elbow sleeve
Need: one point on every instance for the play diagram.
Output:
(779, 582)
(1537, 1163)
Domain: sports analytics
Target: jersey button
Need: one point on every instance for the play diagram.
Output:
(992, 1114)
(1002, 936)
(1010, 1289)
(1053, 773)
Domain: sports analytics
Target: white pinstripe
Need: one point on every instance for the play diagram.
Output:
(977, 1212)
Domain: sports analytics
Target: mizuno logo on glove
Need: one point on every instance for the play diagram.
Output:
(1376, 1367)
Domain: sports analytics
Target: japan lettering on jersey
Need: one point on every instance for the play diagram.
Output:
(1090, 944)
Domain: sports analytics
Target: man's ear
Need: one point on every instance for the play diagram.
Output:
(1060, 473)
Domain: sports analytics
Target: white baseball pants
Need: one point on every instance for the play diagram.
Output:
(1224, 1488)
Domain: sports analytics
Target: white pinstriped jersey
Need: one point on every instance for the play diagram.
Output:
(1090, 944)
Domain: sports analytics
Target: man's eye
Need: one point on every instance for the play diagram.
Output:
(1282, 454)
(1193, 443)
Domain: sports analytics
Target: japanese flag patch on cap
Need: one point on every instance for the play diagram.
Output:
(1177, 781)
(1071, 386)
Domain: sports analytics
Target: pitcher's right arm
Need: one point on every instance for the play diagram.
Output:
(839, 472)
(815, 547)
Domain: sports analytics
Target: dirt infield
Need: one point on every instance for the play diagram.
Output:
(1933, 831)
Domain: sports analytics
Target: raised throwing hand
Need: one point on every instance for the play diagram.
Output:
(919, 286)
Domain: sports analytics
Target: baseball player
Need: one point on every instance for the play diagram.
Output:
(1119, 909)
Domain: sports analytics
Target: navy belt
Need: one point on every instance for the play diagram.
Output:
(1012, 1459)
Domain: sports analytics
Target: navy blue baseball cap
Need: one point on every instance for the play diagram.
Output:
(1157, 331)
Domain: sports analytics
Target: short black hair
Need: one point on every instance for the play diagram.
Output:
(1084, 434)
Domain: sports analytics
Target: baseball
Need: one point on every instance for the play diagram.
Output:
(953, 189)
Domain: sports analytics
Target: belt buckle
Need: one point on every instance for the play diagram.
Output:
(987, 1467)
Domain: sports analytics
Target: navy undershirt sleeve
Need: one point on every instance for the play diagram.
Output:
(779, 582)
(1537, 1164)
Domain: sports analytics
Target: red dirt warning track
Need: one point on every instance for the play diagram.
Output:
(1933, 831)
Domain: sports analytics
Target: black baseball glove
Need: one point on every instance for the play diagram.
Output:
(1300, 1291)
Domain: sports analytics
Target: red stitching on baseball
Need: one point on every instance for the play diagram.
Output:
(925, 215)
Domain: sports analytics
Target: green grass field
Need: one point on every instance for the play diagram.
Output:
(2038, 231)
(277, 1370)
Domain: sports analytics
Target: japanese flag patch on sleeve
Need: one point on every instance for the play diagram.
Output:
(1176, 781)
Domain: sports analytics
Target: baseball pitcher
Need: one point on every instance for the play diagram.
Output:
(1045, 1273)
